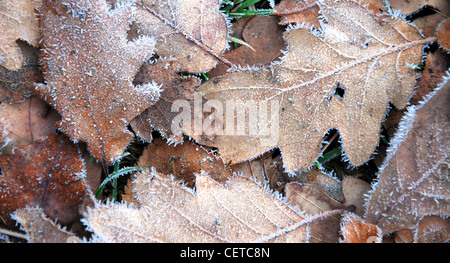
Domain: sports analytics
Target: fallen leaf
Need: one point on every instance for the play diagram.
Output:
(292, 12)
(431, 229)
(41, 229)
(443, 34)
(17, 85)
(355, 230)
(88, 67)
(183, 161)
(315, 199)
(192, 32)
(25, 122)
(429, 21)
(265, 36)
(48, 174)
(18, 21)
(413, 181)
(242, 211)
(174, 87)
(367, 57)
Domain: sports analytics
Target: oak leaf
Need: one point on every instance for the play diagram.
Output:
(183, 161)
(17, 85)
(368, 57)
(41, 229)
(161, 115)
(88, 66)
(355, 230)
(48, 173)
(431, 229)
(26, 122)
(315, 199)
(413, 181)
(18, 21)
(192, 32)
(242, 211)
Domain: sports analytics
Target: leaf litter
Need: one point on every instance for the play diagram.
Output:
(179, 199)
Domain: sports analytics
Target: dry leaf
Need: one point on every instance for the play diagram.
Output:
(368, 57)
(427, 22)
(25, 122)
(48, 174)
(183, 161)
(313, 200)
(431, 229)
(355, 230)
(443, 34)
(414, 180)
(16, 85)
(264, 35)
(291, 12)
(174, 87)
(180, 26)
(88, 67)
(169, 212)
(41, 229)
(18, 21)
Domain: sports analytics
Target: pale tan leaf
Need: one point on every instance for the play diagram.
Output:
(169, 212)
(414, 181)
(370, 57)
(41, 229)
(17, 21)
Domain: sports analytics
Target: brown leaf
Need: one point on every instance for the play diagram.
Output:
(413, 181)
(189, 31)
(25, 122)
(174, 87)
(264, 35)
(313, 200)
(443, 34)
(16, 85)
(429, 22)
(18, 21)
(88, 67)
(240, 212)
(355, 230)
(183, 161)
(48, 174)
(292, 12)
(431, 229)
(41, 229)
(366, 56)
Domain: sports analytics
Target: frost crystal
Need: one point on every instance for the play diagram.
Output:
(88, 67)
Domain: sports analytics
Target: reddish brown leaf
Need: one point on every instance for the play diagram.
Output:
(265, 36)
(355, 230)
(443, 34)
(183, 161)
(88, 66)
(48, 174)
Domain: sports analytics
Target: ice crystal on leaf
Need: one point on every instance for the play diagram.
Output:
(242, 211)
(363, 52)
(88, 68)
(413, 180)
